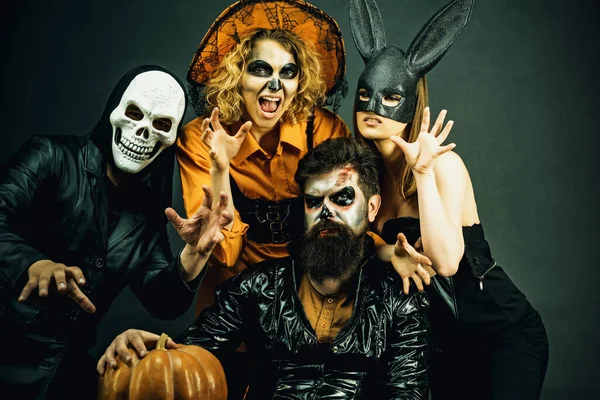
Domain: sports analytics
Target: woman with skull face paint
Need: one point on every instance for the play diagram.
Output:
(488, 341)
(81, 218)
(257, 87)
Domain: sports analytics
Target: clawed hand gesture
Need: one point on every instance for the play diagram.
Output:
(421, 154)
(223, 146)
(67, 280)
(203, 231)
(410, 264)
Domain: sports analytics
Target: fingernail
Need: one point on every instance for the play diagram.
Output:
(61, 285)
(128, 360)
(113, 365)
(43, 293)
(81, 281)
(143, 353)
(21, 298)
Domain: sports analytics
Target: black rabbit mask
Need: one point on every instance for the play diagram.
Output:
(388, 70)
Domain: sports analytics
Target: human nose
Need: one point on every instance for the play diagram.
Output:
(274, 85)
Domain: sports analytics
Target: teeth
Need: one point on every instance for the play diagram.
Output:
(276, 99)
(134, 151)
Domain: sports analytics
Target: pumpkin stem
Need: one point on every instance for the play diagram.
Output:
(162, 342)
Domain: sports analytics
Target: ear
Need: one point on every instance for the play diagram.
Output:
(367, 28)
(373, 206)
(438, 34)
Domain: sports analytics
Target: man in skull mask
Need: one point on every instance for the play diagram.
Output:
(330, 320)
(81, 218)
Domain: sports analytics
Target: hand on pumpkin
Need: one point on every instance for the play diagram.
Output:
(420, 155)
(223, 146)
(67, 281)
(410, 264)
(137, 339)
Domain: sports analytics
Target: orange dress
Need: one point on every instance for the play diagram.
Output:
(258, 176)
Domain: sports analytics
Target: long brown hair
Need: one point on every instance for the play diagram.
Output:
(406, 184)
(224, 88)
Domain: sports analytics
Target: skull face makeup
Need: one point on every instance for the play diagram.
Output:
(388, 85)
(336, 197)
(146, 120)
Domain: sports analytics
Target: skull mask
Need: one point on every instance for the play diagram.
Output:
(146, 120)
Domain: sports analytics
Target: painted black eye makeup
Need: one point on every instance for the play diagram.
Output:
(313, 201)
(289, 71)
(344, 197)
(260, 68)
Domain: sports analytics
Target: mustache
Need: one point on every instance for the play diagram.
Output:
(326, 224)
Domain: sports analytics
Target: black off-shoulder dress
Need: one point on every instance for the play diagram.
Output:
(487, 339)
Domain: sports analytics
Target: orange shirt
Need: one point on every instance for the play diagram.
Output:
(258, 175)
(326, 314)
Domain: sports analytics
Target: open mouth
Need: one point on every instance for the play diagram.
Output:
(269, 105)
(328, 232)
(134, 151)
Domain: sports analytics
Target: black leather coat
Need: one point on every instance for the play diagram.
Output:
(380, 353)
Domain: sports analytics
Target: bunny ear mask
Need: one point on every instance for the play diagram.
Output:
(388, 70)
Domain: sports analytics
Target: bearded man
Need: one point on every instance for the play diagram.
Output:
(330, 320)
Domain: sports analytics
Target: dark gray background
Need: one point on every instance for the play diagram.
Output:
(519, 82)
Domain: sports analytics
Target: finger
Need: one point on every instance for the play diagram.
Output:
(170, 344)
(121, 348)
(139, 340)
(214, 119)
(401, 143)
(406, 285)
(77, 295)
(419, 244)
(205, 125)
(424, 275)
(244, 129)
(77, 274)
(223, 200)
(207, 136)
(418, 282)
(60, 280)
(174, 218)
(109, 356)
(425, 120)
(208, 197)
(446, 148)
(43, 283)
(439, 123)
(30, 286)
(101, 366)
(225, 219)
(445, 132)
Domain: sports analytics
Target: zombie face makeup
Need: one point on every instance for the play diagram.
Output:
(335, 197)
(269, 84)
(146, 119)
(388, 85)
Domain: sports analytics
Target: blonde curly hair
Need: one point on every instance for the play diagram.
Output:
(223, 90)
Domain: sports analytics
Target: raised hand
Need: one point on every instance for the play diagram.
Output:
(203, 231)
(223, 146)
(66, 281)
(421, 154)
(410, 264)
(137, 339)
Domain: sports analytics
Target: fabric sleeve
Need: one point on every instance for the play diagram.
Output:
(220, 326)
(22, 179)
(159, 285)
(404, 364)
(194, 170)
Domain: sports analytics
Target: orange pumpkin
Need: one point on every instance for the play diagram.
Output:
(188, 372)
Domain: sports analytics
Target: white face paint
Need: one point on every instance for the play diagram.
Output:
(337, 197)
(145, 121)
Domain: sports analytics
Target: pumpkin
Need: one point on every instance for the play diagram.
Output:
(188, 372)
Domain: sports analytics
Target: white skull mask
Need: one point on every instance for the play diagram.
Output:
(145, 121)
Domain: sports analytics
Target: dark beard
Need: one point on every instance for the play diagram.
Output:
(333, 256)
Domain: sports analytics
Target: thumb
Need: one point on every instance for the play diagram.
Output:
(174, 218)
(401, 143)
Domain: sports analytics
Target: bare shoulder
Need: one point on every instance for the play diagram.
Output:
(450, 166)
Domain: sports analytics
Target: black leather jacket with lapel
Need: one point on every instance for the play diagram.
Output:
(53, 205)
(380, 353)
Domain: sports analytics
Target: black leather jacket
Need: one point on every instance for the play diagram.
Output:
(53, 205)
(380, 353)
